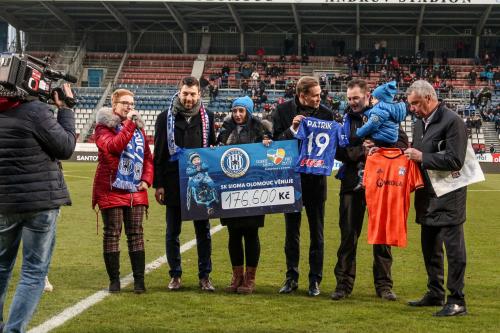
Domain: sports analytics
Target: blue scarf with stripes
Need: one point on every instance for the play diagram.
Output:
(174, 150)
(129, 173)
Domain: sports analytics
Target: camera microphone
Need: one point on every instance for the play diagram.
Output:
(70, 78)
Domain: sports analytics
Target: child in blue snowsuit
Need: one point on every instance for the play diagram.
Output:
(200, 186)
(383, 119)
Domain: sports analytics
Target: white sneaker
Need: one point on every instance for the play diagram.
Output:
(48, 286)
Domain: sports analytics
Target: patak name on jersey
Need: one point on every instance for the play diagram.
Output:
(317, 124)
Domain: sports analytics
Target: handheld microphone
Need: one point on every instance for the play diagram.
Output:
(137, 122)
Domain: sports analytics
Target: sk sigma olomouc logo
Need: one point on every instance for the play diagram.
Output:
(235, 162)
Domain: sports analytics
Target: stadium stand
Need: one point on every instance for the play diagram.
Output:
(154, 69)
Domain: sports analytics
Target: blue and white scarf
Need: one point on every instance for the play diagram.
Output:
(346, 127)
(129, 173)
(346, 133)
(174, 150)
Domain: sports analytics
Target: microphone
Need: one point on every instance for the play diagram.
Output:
(137, 122)
(70, 78)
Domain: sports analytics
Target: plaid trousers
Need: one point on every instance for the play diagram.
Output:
(131, 217)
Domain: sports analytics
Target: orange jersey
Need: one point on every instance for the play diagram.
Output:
(389, 178)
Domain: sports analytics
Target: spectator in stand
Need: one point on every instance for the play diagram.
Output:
(246, 71)
(262, 85)
(350, 64)
(260, 53)
(492, 148)
(395, 64)
(324, 95)
(489, 76)
(497, 121)
(444, 58)
(367, 68)
(496, 80)
(225, 70)
(478, 124)
(204, 85)
(243, 56)
(213, 91)
(383, 73)
(289, 92)
(244, 87)
(255, 77)
(261, 97)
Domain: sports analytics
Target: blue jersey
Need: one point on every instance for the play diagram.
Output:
(319, 139)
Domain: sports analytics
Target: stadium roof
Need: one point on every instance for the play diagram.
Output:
(427, 17)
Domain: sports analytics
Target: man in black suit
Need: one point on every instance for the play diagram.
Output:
(286, 121)
(186, 124)
(439, 143)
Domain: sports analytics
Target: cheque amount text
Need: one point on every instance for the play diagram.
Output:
(258, 197)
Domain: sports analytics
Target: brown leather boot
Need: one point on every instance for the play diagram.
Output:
(236, 280)
(249, 285)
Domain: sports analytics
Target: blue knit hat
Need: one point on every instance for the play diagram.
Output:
(245, 102)
(386, 92)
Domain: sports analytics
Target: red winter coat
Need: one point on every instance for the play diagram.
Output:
(111, 144)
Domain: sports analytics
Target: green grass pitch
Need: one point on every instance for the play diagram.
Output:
(77, 271)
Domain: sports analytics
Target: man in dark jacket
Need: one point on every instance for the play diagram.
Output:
(186, 124)
(32, 141)
(286, 121)
(439, 143)
(352, 204)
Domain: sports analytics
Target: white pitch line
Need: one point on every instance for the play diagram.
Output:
(75, 176)
(483, 190)
(75, 310)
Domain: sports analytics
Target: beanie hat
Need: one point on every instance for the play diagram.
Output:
(385, 92)
(193, 155)
(245, 102)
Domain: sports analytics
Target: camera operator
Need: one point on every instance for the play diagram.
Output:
(32, 188)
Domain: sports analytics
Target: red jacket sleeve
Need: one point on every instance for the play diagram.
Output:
(147, 169)
(111, 142)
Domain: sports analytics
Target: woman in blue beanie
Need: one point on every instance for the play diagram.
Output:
(238, 128)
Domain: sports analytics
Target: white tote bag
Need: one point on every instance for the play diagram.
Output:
(447, 181)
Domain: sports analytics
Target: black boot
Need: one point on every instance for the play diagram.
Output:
(112, 261)
(137, 259)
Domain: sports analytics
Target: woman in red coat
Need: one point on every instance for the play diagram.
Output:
(123, 175)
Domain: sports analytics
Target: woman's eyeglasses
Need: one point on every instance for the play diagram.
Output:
(125, 103)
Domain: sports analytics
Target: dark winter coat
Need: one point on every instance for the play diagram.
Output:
(187, 135)
(32, 141)
(313, 186)
(446, 132)
(252, 132)
(111, 144)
